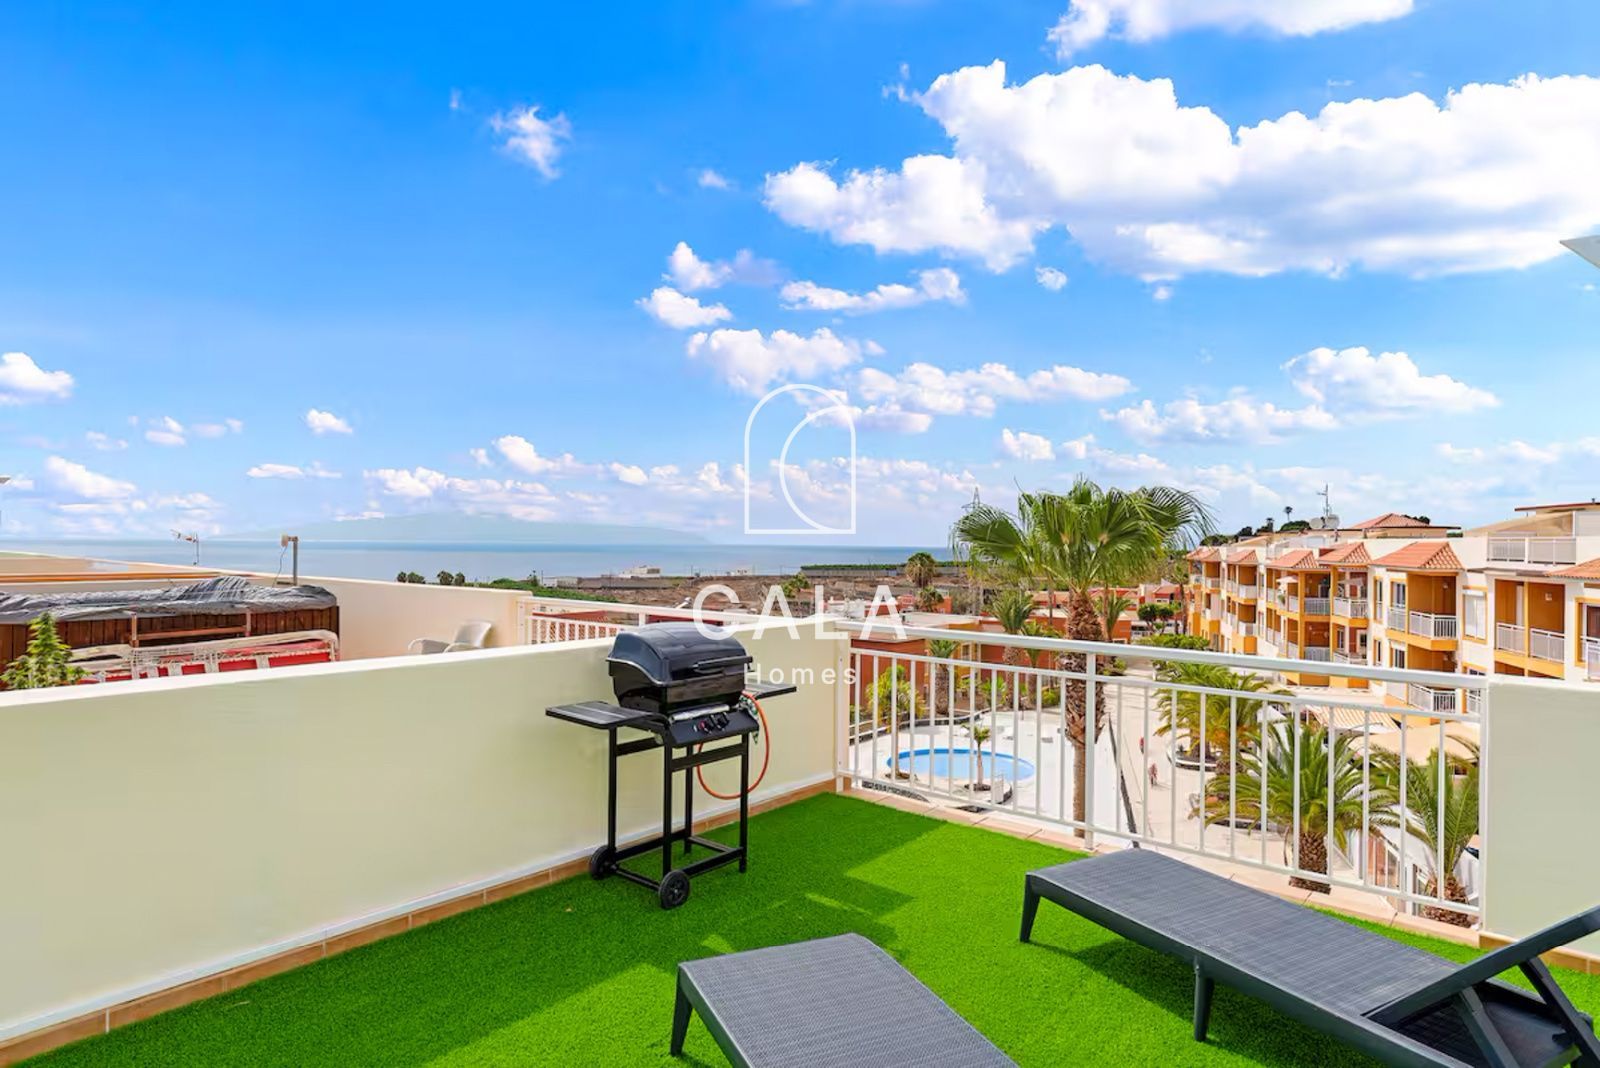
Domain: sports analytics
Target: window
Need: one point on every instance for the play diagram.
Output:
(1474, 615)
(1397, 656)
(1398, 597)
(1591, 621)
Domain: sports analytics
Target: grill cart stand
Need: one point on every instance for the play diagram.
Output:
(680, 733)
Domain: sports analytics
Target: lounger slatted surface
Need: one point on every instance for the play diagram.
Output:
(1399, 1003)
(838, 1001)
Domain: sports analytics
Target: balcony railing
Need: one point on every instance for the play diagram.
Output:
(1247, 630)
(1345, 656)
(1316, 606)
(1533, 550)
(1350, 607)
(1428, 625)
(1591, 658)
(1004, 727)
(1318, 653)
(1245, 593)
(1430, 698)
(1511, 637)
(1396, 617)
(1291, 601)
(1547, 645)
(1291, 650)
(1212, 582)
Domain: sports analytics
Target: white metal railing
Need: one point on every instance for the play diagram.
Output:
(1430, 698)
(1350, 607)
(1591, 658)
(1291, 650)
(1212, 582)
(1511, 637)
(1316, 606)
(1547, 645)
(1396, 617)
(1247, 630)
(1143, 755)
(1318, 653)
(1291, 601)
(1345, 656)
(1246, 593)
(1429, 625)
(1533, 550)
(546, 620)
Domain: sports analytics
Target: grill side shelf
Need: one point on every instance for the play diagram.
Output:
(602, 715)
(763, 690)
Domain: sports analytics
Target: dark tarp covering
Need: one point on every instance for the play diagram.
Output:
(225, 595)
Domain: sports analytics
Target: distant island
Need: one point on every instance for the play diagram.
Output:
(465, 528)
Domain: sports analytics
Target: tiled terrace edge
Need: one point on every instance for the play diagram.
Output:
(334, 941)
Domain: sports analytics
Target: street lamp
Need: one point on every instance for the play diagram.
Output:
(1587, 247)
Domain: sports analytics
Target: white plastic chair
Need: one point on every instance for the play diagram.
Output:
(470, 635)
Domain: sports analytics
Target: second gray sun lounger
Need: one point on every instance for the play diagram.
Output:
(1400, 1004)
(829, 1003)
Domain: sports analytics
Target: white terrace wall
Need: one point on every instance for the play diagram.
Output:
(383, 618)
(158, 831)
(1542, 786)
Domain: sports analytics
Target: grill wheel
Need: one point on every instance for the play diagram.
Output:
(674, 889)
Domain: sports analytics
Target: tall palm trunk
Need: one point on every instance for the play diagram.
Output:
(1083, 624)
(1313, 857)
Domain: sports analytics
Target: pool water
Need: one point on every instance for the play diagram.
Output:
(958, 764)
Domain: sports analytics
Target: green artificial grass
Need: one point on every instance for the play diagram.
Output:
(581, 973)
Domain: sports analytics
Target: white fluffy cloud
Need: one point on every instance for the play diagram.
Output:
(688, 272)
(1088, 21)
(320, 422)
(631, 474)
(922, 387)
(1488, 178)
(291, 471)
(217, 430)
(522, 455)
(78, 481)
(710, 179)
(1051, 278)
(166, 431)
(1388, 383)
(1022, 445)
(104, 442)
(1240, 418)
(667, 305)
(936, 284)
(751, 362)
(1521, 454)
(22, 381)
(535, 141)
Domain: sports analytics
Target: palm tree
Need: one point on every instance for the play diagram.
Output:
(1181, 710)
(921, 570)
(1450, 819)
(979, 734)
(941, 649)
(1085, 539)
(929, 599)
(1266, 783)
(1111, 605)
(890, 697)
(1012, 610)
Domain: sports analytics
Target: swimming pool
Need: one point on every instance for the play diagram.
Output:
(940, 762)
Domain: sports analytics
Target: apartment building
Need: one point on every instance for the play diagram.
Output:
(1518, 597)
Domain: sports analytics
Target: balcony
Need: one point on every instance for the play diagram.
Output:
(1246, 593)
(1427, 625)
(1396, 618)
(1291, 601)
(1510, 637)
(1212, 582)
(1547, 645)
(1316, 606)
(458, 792)
(1553, 551)
(1350, 607)
(1591, 658)
(1344, 656)
(1430, 698)
(1320, 654)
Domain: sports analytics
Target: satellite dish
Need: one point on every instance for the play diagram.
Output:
(1587, 247)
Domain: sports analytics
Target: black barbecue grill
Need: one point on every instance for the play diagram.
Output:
(684, 688)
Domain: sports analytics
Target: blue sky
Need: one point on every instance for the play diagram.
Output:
(265, 266)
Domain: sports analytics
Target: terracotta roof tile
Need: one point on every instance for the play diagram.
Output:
(1291, 559)
(1388, 520)
(1350, 554)
(1239, 556)
(1589, 569)
(1423, 556)
(1207, 553)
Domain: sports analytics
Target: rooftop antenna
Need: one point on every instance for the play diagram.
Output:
(1327, 502)
(193, 539)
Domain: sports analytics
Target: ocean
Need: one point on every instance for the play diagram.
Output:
(478, 561)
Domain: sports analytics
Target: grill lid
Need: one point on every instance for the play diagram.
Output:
(675, 652)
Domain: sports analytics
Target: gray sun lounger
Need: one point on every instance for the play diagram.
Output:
(1400, 1004)
(828, 1003)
